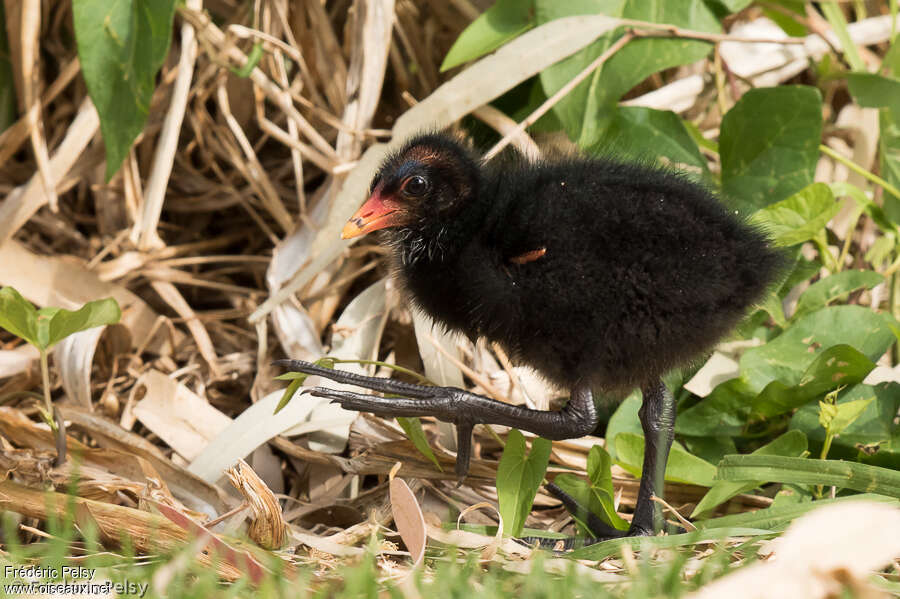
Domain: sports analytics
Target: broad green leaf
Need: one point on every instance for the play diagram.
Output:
(791, 443)
(62, 323)
(837, 366)
(787, 357)
(518, 477)
(769, 145)
(800, 217)
(580, 490)
(46, 327)
(656, 136)
(874, 91)
(711, 448)
(723, 412)
(587, 110)
(600, 474)
(500, 23)
(121, 46)
(682, 467)
(18, 316)
(777, 518)
(604, 549)
(835, 287)
(872, 437)
(847, 475)
(413, 429)
(624, 420)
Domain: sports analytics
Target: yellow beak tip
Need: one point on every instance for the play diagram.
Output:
(351, 230)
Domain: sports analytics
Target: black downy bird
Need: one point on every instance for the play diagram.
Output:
(600, 275)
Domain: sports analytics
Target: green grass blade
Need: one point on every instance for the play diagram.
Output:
(848, 475)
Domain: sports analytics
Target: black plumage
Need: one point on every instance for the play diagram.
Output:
(599, 274)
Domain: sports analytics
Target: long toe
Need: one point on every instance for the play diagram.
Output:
(388, 406)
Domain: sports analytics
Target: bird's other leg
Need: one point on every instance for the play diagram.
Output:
(657, 416)
(577, 419)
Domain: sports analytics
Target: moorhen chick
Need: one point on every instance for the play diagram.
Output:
(599, 274)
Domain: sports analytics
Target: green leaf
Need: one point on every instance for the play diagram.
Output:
(791, 443)
(289, 392)
(777, 518)
(723, 412)
(624, 420)
(18, 316)
(872, 437)
(500, 23)
(297, 379)
(769, 145)
(787, 357)
(800, 217)
(874, 91)
(839, 365)
(838, 24)
(121, 46)
(586, 111)
(656, 136)
(413, 429)
(518, 478)
(846, 475)
(835, 287)
(599, 470)
(682, 467)
(789, 25)
(46, 327)
(62, 323)
(847, 413)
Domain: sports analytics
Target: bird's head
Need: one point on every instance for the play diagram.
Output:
(420, 191)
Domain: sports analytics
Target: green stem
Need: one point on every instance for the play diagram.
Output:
(828, 259)
(848, 239)
(826, 447)
(859, 170)
(45, 381)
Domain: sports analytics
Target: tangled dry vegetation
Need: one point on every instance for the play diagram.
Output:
(218, 237)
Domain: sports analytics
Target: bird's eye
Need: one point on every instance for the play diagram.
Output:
(416, 186)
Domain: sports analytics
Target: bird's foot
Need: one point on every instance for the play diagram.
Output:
(450, 404)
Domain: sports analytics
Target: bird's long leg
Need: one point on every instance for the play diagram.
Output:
(577, 419)
(657, 416)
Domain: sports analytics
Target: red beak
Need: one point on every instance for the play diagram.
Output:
(378, 212)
